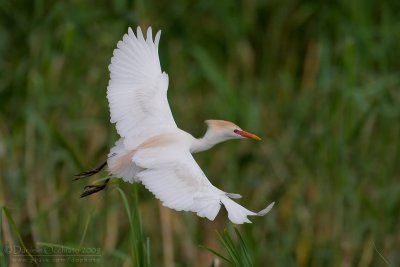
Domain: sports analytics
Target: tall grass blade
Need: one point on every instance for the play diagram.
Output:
(128, 213)
(243, 248)
(3, 258)
(140, 244)
(227, 242)
(216, 253)
(382, 257)
(140, 256)
(14, 228)
(238, 254)
(85, 229)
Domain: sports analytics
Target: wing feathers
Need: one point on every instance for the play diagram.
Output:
(208, 207)
(174, 177)
(137, 88)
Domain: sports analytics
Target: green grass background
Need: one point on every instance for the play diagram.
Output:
(319, 81)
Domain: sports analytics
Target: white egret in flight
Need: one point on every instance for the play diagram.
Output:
(152, 149)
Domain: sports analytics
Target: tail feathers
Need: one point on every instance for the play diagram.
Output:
(238, 214)
(120, 162)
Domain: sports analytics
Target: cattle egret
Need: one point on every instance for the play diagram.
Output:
(152, 149)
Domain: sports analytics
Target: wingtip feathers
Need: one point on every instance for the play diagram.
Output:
(266, 210)
(157, 38)
(149, 35)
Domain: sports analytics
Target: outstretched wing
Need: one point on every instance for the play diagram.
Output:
(175, 178)
(137, 90)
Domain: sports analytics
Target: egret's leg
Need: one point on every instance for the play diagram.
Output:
(91, 189)
(89, 173)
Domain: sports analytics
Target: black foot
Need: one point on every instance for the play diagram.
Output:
(89, 173)
(91, 189)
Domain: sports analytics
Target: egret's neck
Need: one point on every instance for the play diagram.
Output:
(206, 142)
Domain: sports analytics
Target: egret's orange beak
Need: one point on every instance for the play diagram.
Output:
(249, 135)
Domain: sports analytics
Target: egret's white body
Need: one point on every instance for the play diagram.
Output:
(152, 149)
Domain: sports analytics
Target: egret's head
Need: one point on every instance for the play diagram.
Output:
(228, 130)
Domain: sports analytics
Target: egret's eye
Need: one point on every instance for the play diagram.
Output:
(236, 131)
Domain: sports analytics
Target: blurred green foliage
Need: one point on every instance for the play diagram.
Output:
(317, 80)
